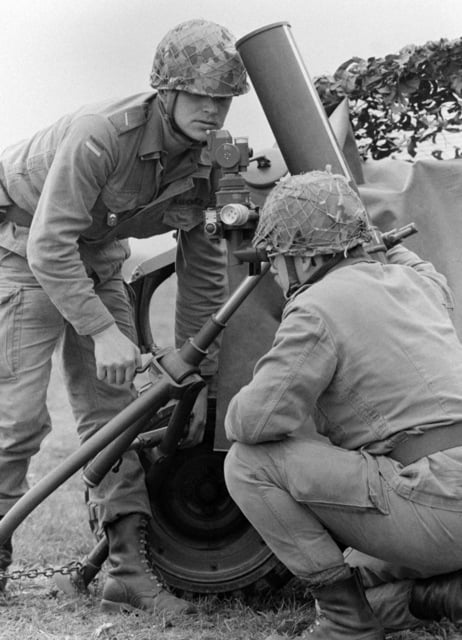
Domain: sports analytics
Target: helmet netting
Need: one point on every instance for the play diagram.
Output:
(312, 214)
(199, 57)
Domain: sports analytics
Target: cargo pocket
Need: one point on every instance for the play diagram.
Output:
(320, 474)
(10, 331)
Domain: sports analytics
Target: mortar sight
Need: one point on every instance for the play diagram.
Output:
(233, 208)
(232, 156)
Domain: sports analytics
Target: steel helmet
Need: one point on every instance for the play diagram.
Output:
(315, 213)
(198, 56)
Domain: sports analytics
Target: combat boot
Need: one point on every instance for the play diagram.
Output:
(437, 597)
(343, 613)
(131, 583)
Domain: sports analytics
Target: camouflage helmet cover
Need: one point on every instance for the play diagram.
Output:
(316, 213)
(199, 57)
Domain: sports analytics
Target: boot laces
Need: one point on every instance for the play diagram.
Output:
(145, 555)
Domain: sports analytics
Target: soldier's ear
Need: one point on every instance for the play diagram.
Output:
(304, 263)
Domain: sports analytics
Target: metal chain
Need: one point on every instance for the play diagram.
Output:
(48, 572)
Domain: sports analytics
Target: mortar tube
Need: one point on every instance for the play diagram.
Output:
(290, 101)
(293, 107)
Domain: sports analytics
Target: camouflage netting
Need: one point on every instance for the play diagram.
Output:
(199, 57)
(312, 214)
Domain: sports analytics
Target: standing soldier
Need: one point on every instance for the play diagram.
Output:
(368, 352)
(70, 197)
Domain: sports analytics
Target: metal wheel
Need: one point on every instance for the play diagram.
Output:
(200, 540)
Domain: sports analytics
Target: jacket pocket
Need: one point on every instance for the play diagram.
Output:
(9, 332)
(183, 217)
(105, 260)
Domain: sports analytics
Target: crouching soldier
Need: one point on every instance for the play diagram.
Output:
(368, 511)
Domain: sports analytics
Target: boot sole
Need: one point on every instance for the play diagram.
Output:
(107, 606)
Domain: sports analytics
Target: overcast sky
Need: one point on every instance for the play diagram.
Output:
(56, 55)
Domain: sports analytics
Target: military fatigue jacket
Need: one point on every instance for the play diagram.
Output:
(95, 178)
(370, 354)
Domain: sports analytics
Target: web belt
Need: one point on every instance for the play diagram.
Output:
(431, 441)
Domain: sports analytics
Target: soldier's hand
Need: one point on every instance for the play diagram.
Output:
(116, 356)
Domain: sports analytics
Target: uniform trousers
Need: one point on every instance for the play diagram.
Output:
(31, 329)
(313, 505)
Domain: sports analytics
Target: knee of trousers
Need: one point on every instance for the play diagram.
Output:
(239, 468)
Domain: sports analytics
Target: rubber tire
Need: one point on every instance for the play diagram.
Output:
(200, 541)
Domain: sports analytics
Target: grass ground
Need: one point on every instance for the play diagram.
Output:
(57, 533)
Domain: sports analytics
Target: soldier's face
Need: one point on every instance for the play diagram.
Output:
(195, 115)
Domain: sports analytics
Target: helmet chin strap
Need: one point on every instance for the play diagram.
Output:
(167, 101)
(294, 282)
(317, 273)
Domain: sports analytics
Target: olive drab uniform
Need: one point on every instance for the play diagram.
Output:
(366, 359)
(363, 388)
(71, 196)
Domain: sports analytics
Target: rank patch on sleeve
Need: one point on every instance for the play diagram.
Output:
(93, 148)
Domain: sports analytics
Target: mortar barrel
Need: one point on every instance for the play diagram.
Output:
(290, 101)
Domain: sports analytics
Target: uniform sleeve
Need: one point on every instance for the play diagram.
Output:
(401, 255)
(201, 267)
(287, 381)
(84, 159)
